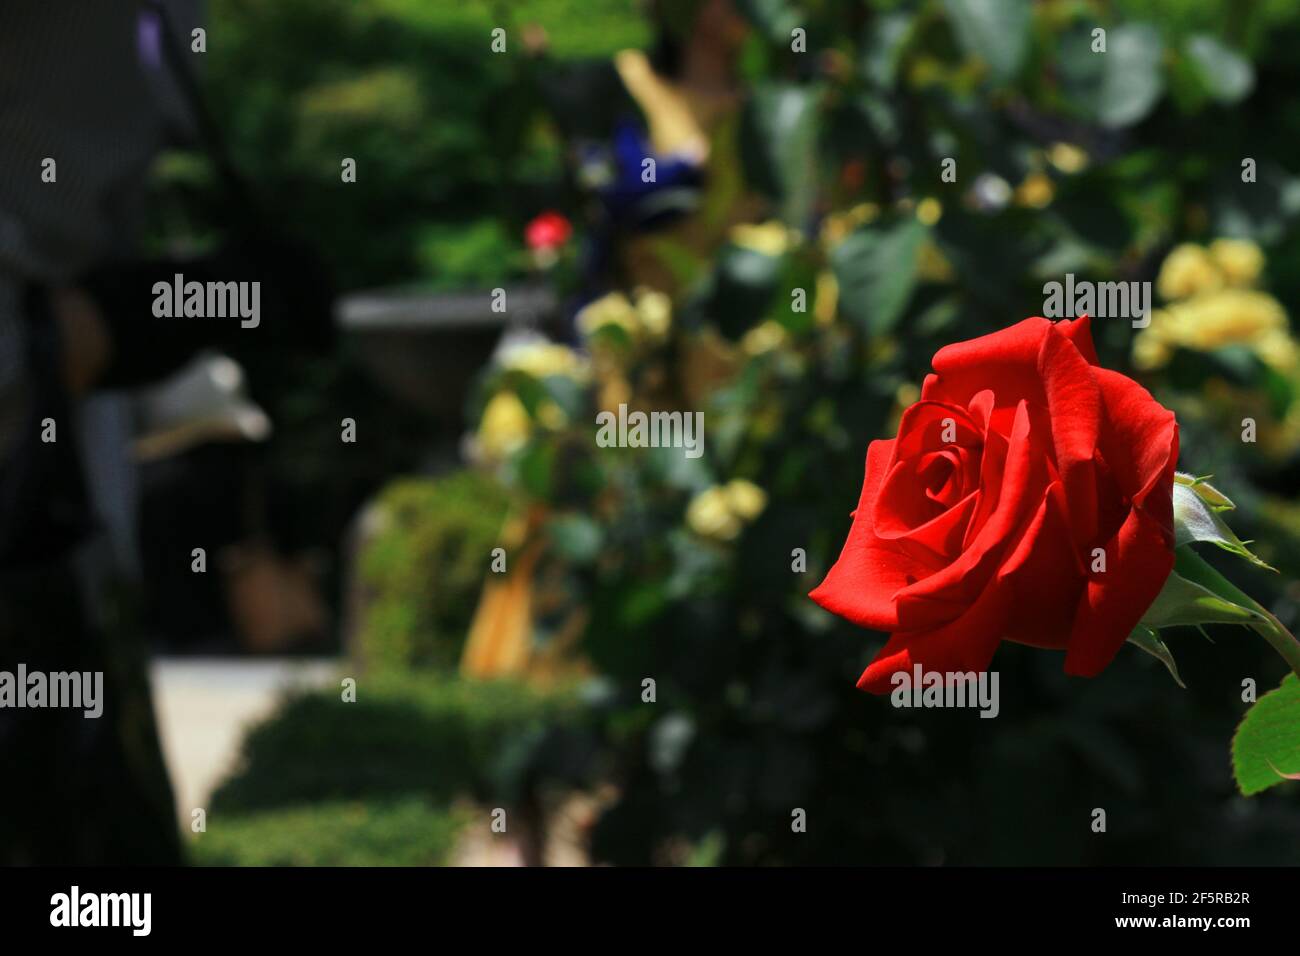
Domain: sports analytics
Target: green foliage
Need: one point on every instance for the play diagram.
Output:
(442, 130)
(380, 781)
(1067, 160)
(756, 713)
(876, 269)
(995, 31)
(1267, 746)
(784, 130)
(403, 738)
(424, 567)
(408, 832)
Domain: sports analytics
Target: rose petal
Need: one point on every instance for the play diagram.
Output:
(1140, 440)
(1006, 361)
(963, 645)
(931, 600)
(1074, 415)
(1079, 331)
(861, 585)
(1047, 576)
(1138, 560)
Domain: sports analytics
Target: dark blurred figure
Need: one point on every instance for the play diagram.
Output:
(97, 89)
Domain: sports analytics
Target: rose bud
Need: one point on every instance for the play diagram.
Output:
(548, 230)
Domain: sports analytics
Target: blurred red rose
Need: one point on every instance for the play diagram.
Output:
(980, 522)
(549, 230)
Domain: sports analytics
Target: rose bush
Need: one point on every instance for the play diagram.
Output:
(1027, 497)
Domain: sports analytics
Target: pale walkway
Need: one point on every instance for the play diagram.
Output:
(205, 704)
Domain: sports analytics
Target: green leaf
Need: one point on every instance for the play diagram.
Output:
(1132, 82)
(1266, 747)
(775, 19)
(1184, 602)
(568, 394)
(876, 272)
(1226, 74)
(536, 466)
(576, 537)
(1118, 87)
(994, 31)
(743, 286)
(1148, 639)
(884, 46)
(784, 123)
(1196, 519)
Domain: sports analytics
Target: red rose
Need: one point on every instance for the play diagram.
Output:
(549, 230)
(978, 523)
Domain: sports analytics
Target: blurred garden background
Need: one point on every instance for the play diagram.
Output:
(508, 272)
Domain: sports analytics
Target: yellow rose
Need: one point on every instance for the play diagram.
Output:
(1188, 270)
(505, 425)
(1277, 349)
(1036, 191)
(540, 359)
(654, 311)
(1211, 321)
(745, 499)
(828, 297)
(1150, 350)
(763, 338)
(1239, 260)
(770, 238)
(612, 309)
(1231, 316)
(710, 516)
(929, 210)
(1067, 157)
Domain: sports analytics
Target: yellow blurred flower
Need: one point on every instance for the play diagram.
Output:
(770, 238)
(745, 499)
(654, 312)
(721, 512)
(609, 310)
(1188, 270)
(1278, 350)
(828, 297)
(648, 315)
(929, 210)
(1067, 157)
(504, 427)
(710, 516)
(540, 359)
(763, 338)
(1239, 260)
(1150, 350)
(837, 226)
(1213, 320)
(1036, 191)
(1227, 317)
